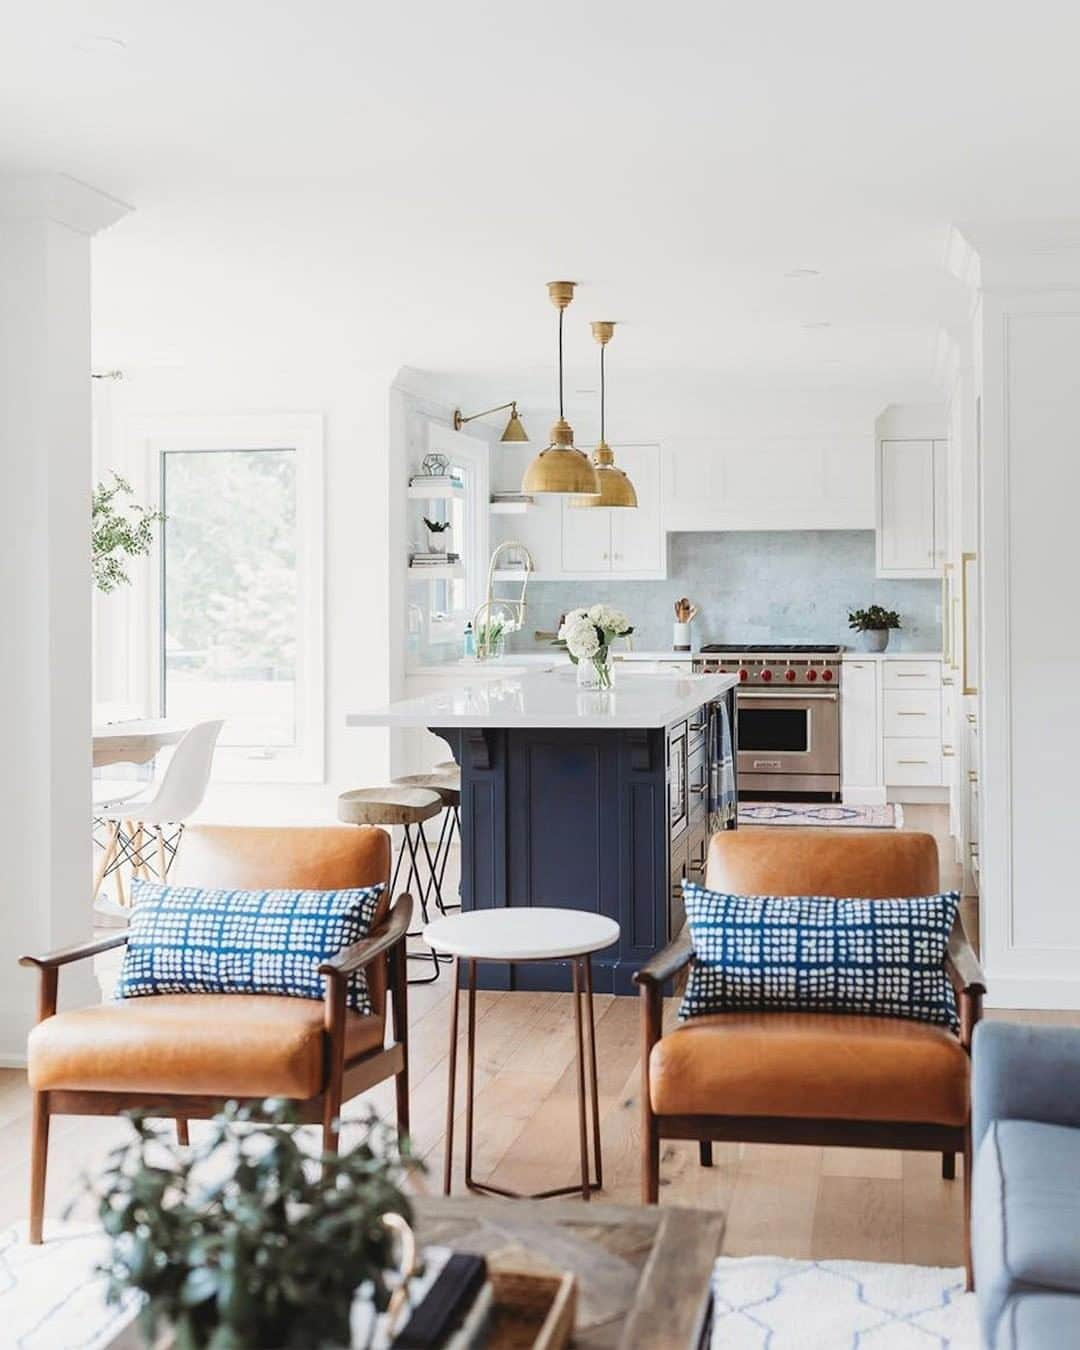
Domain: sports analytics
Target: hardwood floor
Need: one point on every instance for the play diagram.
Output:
(791, 1201)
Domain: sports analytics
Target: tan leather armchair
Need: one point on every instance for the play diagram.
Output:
(186, 1055)
(810, 1078)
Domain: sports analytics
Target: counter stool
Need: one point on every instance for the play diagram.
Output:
(515, 935)
(408, 807)
(445, 779)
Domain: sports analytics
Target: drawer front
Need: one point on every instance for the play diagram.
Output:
(696, 729)
(912, 712)
(912, 763)
(911, 675)
(697, 778)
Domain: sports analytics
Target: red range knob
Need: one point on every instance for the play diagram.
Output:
(766, 675)
(826, 674)
(744, 675)
(811, 675)
(789, 675)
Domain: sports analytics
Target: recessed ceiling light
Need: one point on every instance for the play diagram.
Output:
(800, 273)
(100, 44)
(818, 323)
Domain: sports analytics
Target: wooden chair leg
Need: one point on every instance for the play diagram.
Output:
(183, 1137)
(650, 1163)
(39, 1154)
(399, 1003)
(106, 857)
(162, 865)
(948, 1166)
(705, 1152)
(969, 1267)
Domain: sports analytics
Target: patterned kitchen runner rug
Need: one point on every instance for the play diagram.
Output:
(770, 1303)
(832, 814)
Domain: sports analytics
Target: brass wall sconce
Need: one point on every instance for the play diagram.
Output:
(514, 434)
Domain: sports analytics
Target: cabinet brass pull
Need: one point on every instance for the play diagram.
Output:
(698, 789)
(911, 675)
(913, 761)
(902, 712)
(697, 726)
(973, 775)
(947, 752)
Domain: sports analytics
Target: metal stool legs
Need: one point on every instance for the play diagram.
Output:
(423, 891)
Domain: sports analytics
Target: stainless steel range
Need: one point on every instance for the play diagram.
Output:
(789, 716)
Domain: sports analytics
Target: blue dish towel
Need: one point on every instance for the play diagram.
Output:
(722, 803)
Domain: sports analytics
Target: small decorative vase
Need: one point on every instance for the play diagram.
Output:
(596, 672)
(875, 639)
(439, 543)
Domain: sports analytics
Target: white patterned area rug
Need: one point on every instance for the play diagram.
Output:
(890, 817)
(51, 1297)
(768, 1303)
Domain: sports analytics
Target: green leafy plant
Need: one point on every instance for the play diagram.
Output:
(436, 526)
(873, 619)
(245, 1239)
(118, 532)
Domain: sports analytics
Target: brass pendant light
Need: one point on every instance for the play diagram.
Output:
(561, 469)
(615, 488)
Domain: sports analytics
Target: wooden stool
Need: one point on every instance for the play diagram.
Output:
(445, 779)
(408, 807)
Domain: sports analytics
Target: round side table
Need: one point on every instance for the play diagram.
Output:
(515, 935)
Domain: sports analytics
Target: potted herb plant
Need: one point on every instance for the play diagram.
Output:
(245, 1239)
(874, 626)
(438, 535)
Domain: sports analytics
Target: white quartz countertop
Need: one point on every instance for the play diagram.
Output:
(653, 656)
(552, 699)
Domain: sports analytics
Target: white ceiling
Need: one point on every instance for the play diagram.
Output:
(407, 176)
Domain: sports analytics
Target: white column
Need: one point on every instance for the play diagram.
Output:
(46, 224)
(1027, 348)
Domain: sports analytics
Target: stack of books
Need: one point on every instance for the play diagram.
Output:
(432, 480)
(429, 559)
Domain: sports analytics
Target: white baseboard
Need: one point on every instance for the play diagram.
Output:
(914, 795)
(12, 1061)
(863, 796)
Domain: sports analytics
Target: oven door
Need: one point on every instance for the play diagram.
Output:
(789, 742)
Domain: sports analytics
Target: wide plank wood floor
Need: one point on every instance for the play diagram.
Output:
(790, 1201)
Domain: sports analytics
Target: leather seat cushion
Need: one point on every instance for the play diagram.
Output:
(1025, 1215)
(802, 1065)
(235, 1045)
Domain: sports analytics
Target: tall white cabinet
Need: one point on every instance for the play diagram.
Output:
(912, 507)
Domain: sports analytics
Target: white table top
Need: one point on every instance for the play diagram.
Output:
(133, 741)
(552, 699)
(521, 934)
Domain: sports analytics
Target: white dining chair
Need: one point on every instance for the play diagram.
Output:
(137, 825)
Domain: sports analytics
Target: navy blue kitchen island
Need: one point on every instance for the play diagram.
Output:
(583, 800)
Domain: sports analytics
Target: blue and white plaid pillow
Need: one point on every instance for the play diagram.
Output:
(810, 953)
(187, 940)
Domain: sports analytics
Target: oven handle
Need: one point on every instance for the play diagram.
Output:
(829, 695)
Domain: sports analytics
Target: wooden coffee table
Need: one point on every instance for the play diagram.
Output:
(644, 1274)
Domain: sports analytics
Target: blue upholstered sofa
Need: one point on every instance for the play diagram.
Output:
(1026, 1185)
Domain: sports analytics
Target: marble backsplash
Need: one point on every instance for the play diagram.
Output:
(767, 586)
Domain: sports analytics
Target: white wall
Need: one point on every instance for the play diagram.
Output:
(1027, 358)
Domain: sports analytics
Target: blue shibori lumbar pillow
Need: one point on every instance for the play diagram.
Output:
(190, 940)
(812, 953)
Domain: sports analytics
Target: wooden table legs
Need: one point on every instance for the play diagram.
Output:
(587, 1090)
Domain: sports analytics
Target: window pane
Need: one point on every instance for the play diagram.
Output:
(229, 603)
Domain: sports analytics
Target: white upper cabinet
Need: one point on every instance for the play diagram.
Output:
(912, 505)
(813, 482)
(630, 543)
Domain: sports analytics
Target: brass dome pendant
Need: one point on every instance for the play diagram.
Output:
(616, 489)
(561, 469)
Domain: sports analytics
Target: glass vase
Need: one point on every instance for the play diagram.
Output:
(596, 672)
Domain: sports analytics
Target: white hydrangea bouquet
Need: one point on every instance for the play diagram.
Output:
(587, 635)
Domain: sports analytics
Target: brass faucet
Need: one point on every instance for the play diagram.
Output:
(514, 609)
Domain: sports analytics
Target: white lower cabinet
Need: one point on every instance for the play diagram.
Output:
(860, 733)
(891, 727)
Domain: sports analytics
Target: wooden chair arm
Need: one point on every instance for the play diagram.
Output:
(667, 962)
(359, 954)
(963, 961)
(64, 956)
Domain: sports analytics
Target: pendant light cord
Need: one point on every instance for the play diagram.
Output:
(560, 367)
(603, 438)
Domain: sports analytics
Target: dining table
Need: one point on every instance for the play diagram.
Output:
(133, 741)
